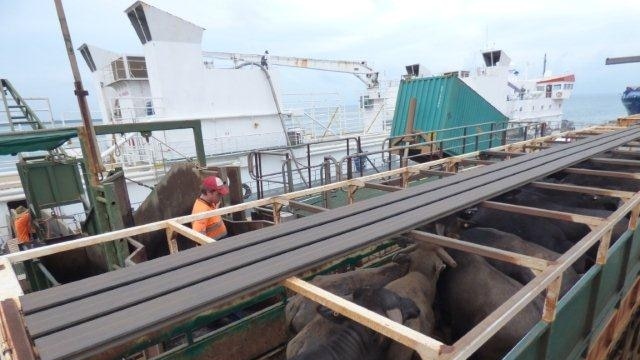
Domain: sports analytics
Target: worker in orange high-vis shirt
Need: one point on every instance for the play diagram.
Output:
(211, 192)
(22, 225)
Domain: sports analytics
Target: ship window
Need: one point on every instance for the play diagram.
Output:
(137, 67)
(84, 50)
(520, 108)
(149, 106)
(491, 58)
(568, 86)
(366, 102)
(557, 87)
(139, 22)
(117, 68)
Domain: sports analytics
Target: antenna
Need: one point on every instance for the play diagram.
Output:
(544, 65)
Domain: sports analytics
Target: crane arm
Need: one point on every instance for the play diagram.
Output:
(622, 60)
(358, 68)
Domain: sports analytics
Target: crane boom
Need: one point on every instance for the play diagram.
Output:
(360, 69)
(622, 60)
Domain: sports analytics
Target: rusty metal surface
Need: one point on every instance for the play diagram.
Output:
(13, 330)
(93, 315)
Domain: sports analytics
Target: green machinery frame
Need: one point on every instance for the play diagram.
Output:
(55, 180)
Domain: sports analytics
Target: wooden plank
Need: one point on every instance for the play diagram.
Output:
(160, 225)
(625, 153)
(9, 284)
(603, 173)
(382, 187)
(551, 300)
(611, 161)
(486, 251)
(483, 331)
(199, 238)
(306, 207)
(551, 214)
(426, 347)
(616, 325)
(583, 189)
(172, 243)
(633, 221)
(15, 343)
(603, 248)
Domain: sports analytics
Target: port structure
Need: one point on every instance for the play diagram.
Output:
(102, 316)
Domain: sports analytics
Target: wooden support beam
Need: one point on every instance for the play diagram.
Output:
(351, 193)
(426, 347)
(578, 137)
(406, 175)
(603, 173)
(483, 331)
(306, 207)
(603, 248)
(276, 207)
(423, 168)
(486, 251)
(583, 189)
(188, 232)
(9, 285)
(381, 187)
(551, 300)
(551, 214)
(611, 161)
(625, 153)
(15, 343)
(535, 147)
(633, 221)
(171, 240)
(604, 342)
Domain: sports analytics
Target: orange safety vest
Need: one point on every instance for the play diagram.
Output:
(23, 228)
(213, 226)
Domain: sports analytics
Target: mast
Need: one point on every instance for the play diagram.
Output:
(94, 165)
(544, 65)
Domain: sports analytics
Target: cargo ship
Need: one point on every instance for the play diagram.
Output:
(631, 100)
(503, 248)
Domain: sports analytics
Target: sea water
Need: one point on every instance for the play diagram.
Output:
(593, 108)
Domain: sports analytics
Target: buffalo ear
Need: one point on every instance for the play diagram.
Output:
(395, 314)
(409, 309)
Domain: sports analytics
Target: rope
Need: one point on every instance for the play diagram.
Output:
(139, 183)
(188, 158)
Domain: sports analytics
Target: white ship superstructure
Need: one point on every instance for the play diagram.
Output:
(241, 108)
(519, 98)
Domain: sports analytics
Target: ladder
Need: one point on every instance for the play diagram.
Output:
(16, 108)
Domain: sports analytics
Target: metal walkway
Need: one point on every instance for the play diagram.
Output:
(92, 315)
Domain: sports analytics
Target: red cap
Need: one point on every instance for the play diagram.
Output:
(214, 183)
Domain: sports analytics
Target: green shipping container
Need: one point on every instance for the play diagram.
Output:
(446, 102)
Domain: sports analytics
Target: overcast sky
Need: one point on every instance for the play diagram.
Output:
(577, 36)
